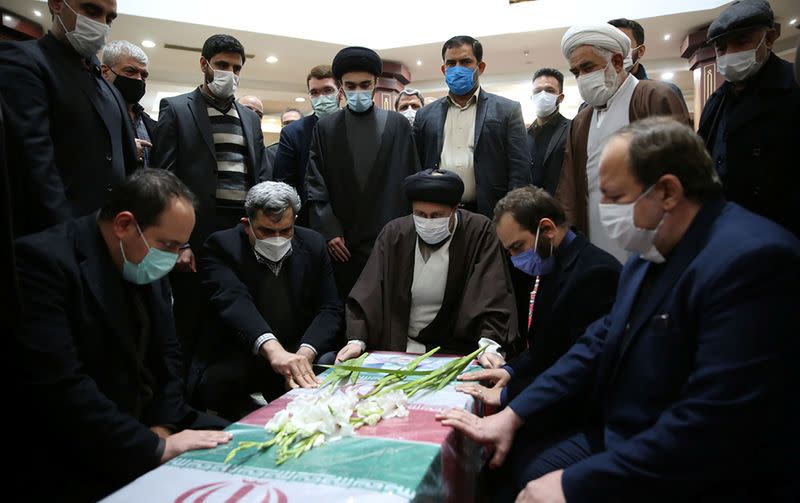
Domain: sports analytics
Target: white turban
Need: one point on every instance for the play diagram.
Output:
(602, 35)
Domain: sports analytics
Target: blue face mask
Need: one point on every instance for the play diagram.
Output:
(154, 266)
(325, 105)
(531, 263)
(460, 79)
(359, 101)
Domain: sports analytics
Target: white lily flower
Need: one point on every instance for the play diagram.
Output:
(278, 421)
(372, 419)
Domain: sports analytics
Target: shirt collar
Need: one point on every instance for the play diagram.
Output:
(641, 73)
(548, 121)
(221, 105)
(275, 267)
(473, 99)
(568, 238)
(137, 110)
(630, 81)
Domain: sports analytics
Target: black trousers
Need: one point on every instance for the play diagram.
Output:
(224, 387)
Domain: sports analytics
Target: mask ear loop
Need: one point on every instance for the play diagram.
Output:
(143, 238)
(536, 241)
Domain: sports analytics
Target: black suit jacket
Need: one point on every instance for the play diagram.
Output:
(293, 152)
(149, 124)
(580, 290)
(231, 275)
(762, 134)
(502, 160)
(58, 140)
(547, 175)
(79, 376)
(693, 385)
(269, 160)
(184, 145)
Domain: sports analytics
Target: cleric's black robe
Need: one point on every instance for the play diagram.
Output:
(355, 182)
(478, 299)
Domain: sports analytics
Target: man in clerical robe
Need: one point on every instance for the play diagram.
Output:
(437, 277)
(359, 157)
(597, 56)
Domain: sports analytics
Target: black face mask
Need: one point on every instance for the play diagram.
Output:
(131, 90)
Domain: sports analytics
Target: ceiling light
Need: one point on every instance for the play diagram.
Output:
(272, 60)
(148, 43)
(667, 76)
(419, 62)
(7, 18)
(37, 13)
(793, 21)
(668, 36)
(299, 99)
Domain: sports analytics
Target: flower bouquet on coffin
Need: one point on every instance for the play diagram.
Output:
(311, 420)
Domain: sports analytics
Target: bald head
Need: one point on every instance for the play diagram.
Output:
(254, 104)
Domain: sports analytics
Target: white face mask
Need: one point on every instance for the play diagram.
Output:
(545, 103)
(617, 220)
(432, 230)
(410, 114)
(598, 87)
(88, 37)
(273, 249)
(224, 84)
(739, 66)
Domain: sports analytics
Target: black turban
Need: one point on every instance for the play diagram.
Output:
(434, 186)
(356, 59)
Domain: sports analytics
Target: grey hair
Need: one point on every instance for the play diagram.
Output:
(409, 92)
(272, 198)
(113, 52)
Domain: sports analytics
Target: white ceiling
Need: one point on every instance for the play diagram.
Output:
(304, 33)
(365, 22)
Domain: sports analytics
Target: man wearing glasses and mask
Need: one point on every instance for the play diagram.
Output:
(295, 140)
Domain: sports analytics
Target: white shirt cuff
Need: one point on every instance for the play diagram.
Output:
(361, 343)
(309, 346)
(261, 340)
(494, 347)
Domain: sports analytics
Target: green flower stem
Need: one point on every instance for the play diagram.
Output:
(393, 379)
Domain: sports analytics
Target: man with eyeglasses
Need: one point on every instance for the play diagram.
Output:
(295, 140)
(254, 104)
(290, 115)
(96, 361)
(751, 124)
(359, 158)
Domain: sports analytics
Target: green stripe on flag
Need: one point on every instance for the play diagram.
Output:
(345, 461)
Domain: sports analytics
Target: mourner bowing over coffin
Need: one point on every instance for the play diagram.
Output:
(437, 277)
(359, 157)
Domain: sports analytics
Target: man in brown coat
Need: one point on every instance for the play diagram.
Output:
(437, 277)
(596, 57)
